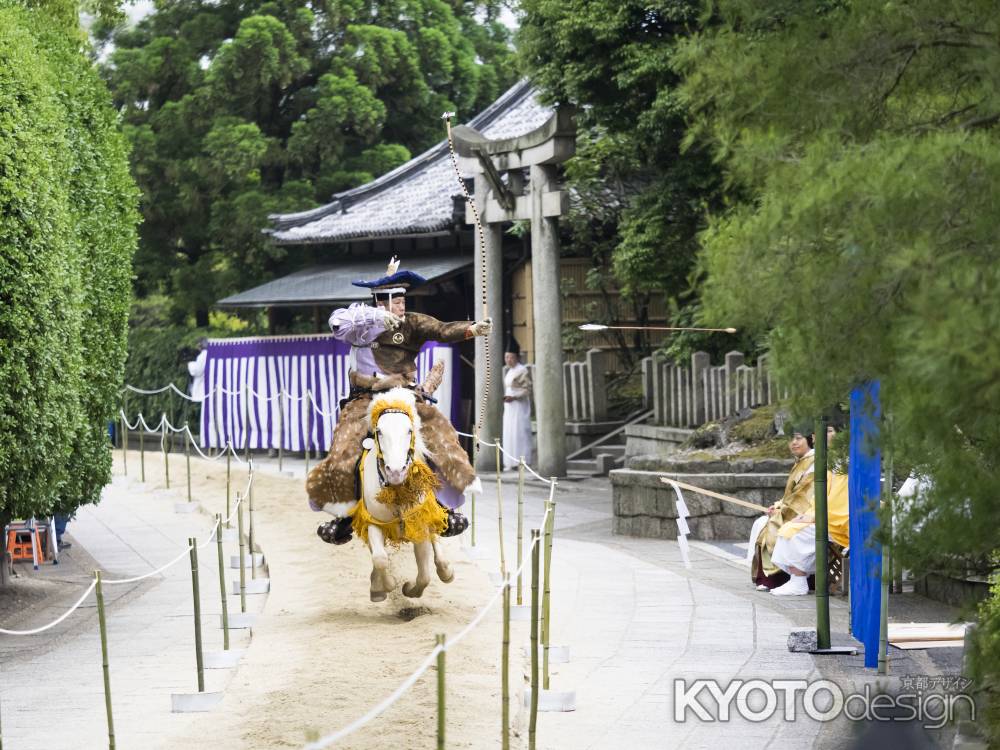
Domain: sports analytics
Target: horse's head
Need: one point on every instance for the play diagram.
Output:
(395, 424)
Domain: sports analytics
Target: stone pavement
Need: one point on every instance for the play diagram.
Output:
(632, 616)
(150, 627)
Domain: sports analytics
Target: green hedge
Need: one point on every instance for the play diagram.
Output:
(67, 233)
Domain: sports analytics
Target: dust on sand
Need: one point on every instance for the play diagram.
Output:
(322, 654)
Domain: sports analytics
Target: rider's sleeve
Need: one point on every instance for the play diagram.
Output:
(358, 324)
(432, 329)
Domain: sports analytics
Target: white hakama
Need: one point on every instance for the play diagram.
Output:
(797, 551)
(517, 439)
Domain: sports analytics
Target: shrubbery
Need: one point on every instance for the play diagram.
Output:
(67, 233)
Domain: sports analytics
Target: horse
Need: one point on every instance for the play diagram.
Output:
(397, 502)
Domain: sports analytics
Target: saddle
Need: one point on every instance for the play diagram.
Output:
(366, 385)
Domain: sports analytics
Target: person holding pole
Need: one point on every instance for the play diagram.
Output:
(797, 499)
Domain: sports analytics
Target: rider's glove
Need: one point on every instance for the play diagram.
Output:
(390, 321)
(481, 327)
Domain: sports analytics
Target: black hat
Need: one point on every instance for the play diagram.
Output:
(512, 346)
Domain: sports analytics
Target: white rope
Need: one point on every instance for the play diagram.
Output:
(176, 560)
(211, 535)
(504, 450)
(374, 712)
(316, 407)
(478, 618)
(52, 624)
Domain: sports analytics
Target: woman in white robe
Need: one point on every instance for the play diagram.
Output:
(516, 408)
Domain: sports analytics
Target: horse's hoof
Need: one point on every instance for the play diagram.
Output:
(412, 590)
(377, 596)
(445, 573)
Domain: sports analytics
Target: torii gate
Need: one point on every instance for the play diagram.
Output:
(541, 202)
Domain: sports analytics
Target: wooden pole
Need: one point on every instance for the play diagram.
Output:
(472, 499)
(222, 582)
(246, 422)
(308, 435)
(253, 568)
(505, 670)
(166, 452)
(533, 716)
(503, 560)
(124, 443)
(199, 660)
(187, 456)
(142, 453)
(520, 528)
(281, 428)
(102, 622)
(717, 495)
(440, 693)
(547, 593)
(243, 554)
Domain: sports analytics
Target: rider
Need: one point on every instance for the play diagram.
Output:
(385, 340)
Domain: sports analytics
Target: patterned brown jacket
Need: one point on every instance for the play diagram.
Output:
(395, 352)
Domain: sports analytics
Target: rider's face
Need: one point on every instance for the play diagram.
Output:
(396, 307)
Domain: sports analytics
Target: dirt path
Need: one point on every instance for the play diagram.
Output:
(322, 654)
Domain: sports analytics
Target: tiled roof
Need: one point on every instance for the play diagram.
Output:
(415, 198)
(320, 285)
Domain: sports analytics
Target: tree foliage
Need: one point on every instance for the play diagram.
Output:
(67, 233)
(240, 109)
(865, 136)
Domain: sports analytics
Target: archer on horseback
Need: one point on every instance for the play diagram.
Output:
(385, 340)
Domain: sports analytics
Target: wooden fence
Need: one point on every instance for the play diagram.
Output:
(682, 396)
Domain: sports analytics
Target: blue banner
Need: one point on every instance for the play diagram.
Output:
(864, 486)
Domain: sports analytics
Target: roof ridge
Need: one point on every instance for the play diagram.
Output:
(513, 96)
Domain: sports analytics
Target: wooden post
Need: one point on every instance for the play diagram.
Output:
(253, 568)
(199, 661)
(243, 554)
(520, 527)
(503, 561)
(142, 452)
(505, 670)
(104, 660)
(246, 421)
(229, 459)
(308, 436)
(440, 693)
(281, 428)
(547, 594)
(533, 716)
(222, 582)
(166, 452)
(124, 443)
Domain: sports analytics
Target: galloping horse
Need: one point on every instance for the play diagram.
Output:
(397, 502)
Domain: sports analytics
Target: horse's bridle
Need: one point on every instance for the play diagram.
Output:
(379, 461)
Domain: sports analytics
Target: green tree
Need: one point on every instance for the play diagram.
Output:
(67, 232)
(240, 109)
(642, 196)
(865, 139)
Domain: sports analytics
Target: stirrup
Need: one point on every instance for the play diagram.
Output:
(337, 531)
(457, 523)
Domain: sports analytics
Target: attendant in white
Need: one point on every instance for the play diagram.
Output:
(516, 407)
(196, 369)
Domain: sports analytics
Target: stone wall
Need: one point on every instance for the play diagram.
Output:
(645, 506)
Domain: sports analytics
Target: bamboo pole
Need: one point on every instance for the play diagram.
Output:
(440, 693)
(505, 667)
(503, 559)
(104, 660)
(124, 443)
(822, 563)
(472, 499)
(281, 428)
(253, 568)
(308, 435)
(533, 716)
(717, 495)
(246, 422)
(166, 453)
(547, 593)
(222, 582)
(229, 467)
(142, 453)
(520, 529)
(243, 554)
(187, 456)
(199, 660)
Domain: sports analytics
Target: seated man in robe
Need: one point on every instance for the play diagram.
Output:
(385, 340)
(797, 499)
(795, 550)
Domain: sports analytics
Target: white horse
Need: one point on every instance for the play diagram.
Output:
(394, 468)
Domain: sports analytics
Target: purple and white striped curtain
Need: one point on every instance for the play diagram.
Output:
(260, 391)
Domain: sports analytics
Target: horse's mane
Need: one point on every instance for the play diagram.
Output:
(398, 399)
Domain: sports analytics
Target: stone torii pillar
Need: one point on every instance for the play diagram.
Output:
(542, 203)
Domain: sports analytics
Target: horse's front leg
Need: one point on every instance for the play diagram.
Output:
(382, 581)
(423, 552)
(444, 570)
